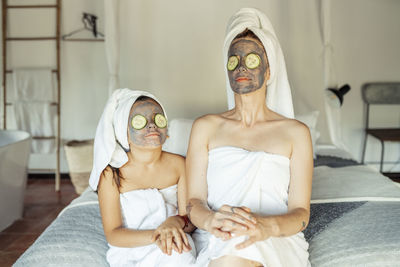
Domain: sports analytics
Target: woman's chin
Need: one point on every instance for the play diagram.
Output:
(149, 145)
(244, 91)
(153, 145)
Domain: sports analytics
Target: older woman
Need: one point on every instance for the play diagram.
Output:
(250, 168)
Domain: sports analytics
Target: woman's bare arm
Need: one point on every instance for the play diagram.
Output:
(182, 198)
(196, 169)
(110, 210)
(301, 172)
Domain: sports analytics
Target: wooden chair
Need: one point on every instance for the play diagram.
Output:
(381, 94)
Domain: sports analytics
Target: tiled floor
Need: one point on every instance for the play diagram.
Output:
(41, 206)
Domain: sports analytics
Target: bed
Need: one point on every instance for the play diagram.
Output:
(354, 221)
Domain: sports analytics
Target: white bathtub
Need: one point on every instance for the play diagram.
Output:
(14, 155)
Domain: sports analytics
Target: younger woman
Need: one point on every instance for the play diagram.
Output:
(138, 184)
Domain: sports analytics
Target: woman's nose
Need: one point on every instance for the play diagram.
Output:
(242, 68)
(151, 125)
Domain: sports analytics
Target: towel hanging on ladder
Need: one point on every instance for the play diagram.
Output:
(33, 109)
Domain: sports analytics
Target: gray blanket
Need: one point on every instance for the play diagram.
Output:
(75, 238)
(358, 234)
(355, 221)
(354, 218)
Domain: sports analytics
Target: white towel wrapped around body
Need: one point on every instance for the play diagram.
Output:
(257, 180)
(142, 210)
(279, 96)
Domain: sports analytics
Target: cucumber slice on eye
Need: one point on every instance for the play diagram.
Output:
(160, 121)
(233, 61)
(139, 122)
(252, 61)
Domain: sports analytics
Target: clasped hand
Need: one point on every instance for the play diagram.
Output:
(230, 222)
(169, 235)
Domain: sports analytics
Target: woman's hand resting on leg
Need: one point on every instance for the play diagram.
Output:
(169, 235)
(225, 224)
(269, 226)
(231, 221)
(264, 227)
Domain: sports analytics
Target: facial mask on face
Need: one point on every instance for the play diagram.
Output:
(247, 65)
(147, 125)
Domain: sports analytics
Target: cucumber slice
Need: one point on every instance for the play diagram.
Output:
(160, 121)
(139, 122)
(233, 61)
(252, 61)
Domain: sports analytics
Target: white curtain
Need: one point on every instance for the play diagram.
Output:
(111, 11)
(333, 115)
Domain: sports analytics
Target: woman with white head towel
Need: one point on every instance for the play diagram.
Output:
(250, 168)
(137, 184)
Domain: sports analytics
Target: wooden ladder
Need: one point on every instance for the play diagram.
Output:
(56, 38)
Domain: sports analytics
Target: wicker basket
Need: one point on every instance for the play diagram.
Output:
(80, 160)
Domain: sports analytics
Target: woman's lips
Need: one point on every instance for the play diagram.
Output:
(152, 134)
(242, 79)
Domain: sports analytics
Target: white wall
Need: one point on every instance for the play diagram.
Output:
(366, 41)
(174, 50)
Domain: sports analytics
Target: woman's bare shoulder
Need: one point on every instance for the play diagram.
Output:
(210, 118)
(173, 157)
(295, 128)
(208, 122)
(106, 181)
(175, 160)
(107, 173)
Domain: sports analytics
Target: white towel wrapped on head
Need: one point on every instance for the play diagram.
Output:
(111, 140)
(279, 97)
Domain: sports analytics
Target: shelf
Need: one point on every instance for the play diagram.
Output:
(11, 71)
(32, 6)
(30, 38)
(52, 104)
